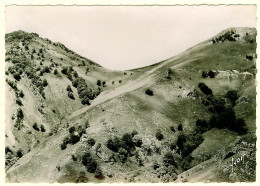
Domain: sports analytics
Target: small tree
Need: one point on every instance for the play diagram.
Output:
(19, 102)
(180, 128)
(168, 159)
(159, 135)
(69, 88)
(149, 92)
(205, 89)
(19, 153)
(211, 74)
(99, 173)
(98, 83)
(104, 83)
(35, 126)
(45, 83)
(232, 96)
(42, 128)
(21, 94)
(70, 95)
(91, 142)
(72, 129)
(55, 72)
(17, 76)
(172, 128)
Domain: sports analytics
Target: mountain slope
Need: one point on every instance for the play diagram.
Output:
(144, 128)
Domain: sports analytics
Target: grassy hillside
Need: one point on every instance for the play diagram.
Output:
(151, 124)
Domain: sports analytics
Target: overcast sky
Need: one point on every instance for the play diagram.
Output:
(126, 37)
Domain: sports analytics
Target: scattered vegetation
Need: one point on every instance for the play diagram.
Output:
(149, 92)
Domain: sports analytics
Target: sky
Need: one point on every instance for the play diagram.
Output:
(127, 37)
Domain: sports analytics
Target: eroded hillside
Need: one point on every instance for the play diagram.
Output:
(183, 119)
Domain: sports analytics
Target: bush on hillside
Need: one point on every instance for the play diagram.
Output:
(21, 94)
(172, 128)
(204, 74)
(19, 114)
(205, 89)
(55, 72)
(99, 174)
(69, 88)
(98, 83)
(149, 92)
(91, 142)
(232, 96)
(180, 128)
(19, 153)
(19, 102)
(168, 159)
(114, 144)
(70, 95)
(211, 74)
(159, 135)
(89, 162)
(45, 83)
(35, 127)
(201, 126)
(17, 76)
(42, 128)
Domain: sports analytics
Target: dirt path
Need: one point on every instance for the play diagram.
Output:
(142, 80)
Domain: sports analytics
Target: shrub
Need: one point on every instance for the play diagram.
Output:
(122, 155)
(114, 144)
(21, 94)
(89, 162)
(55, 72)
(70, 95)
(104, 83)
(211, 74)
(156, 166)
(128, 142)
(72, 129)
(120, 81)
(149, 92)
(74, 139)
(20, 114)
(180, 128)
(19, 102)
(188, 143)
(91, 142)
(17, 76)
(204, 74)
(205, 89)
(45, 83)
(168, 159)
(134, 132)
(63, 146)
(201, 126)
(98, 83)
(159, 135)
(69, 88)
(64, 70)
(249, 57)
(85, 101)
(232, 96)
(99, 173)
(35, 126)
(186, 163)
(19, 153)
(240, 127)
(172, 128)
(42, 128)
